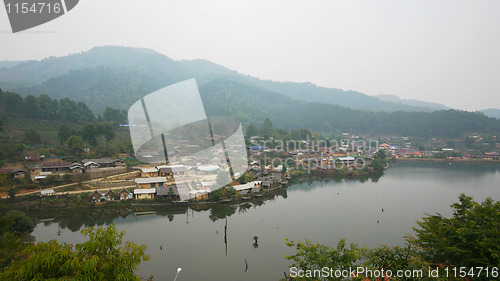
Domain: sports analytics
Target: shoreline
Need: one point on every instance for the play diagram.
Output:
(478, 161)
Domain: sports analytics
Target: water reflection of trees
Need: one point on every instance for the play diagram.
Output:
(310, 182)
(75, 219)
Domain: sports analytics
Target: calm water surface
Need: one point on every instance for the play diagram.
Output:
(321, 211)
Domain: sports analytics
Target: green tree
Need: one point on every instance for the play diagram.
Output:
(470, 238)
(102, 257)
(216, 194)
(64, 133)
(380, 155)
(252, 131)
(31, 136)
(12, 193)
(469, 142)
(89, 134)
(267, 123)
(378, 165)
(75, 143)
(14, 227)
(310, 256)
(243, 179)
(114, 115)
(18, 223)
(267, 128)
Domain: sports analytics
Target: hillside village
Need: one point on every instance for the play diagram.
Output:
(271, 162)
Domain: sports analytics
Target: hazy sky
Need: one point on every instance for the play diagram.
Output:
(445, 51)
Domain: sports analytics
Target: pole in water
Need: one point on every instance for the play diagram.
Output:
(178, 270)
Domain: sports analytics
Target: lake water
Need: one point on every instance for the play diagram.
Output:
(321, 211)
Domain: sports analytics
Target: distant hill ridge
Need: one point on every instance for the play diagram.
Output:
(120, 75)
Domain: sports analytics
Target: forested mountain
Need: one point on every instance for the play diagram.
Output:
(492, 112)
(252, 105)
(100, 87)
(396, 99)
(43, 107)
(145, 60)
(112, 68)
(118, 76)
(9, 64)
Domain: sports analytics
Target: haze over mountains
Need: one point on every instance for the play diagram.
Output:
(119, 76)
(100, 70)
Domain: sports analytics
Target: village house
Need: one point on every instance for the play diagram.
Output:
(103, 162)
(77, 168)
(146, 193)
(416, 154)
(384, 146)
(47, 193)
(172, 170)
(56, 167)
(150, 182)
(124, 194)
(207, 169)
(248, 186)
(41, 176)
(35, 169)
(96, 196)
(164, 191)
(110, 195)
(18, 173)
(90, 165)
(149, 172)
(271, 180)
(199, 194)
(205, 184)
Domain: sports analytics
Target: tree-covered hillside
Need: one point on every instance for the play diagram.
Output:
(252, 106)
(117, 65)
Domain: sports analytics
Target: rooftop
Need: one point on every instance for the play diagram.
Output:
(150, 180)
(149, 170)
(144, 190)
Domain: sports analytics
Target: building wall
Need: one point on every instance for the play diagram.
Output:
(145, 196)
(149, 175)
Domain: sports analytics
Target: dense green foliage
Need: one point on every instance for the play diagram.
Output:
(252, 106)
(14, 228)
(44, 107)
(118, 77)
(34, 125)
(102, 257)
(112, 71)
(471, 238)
